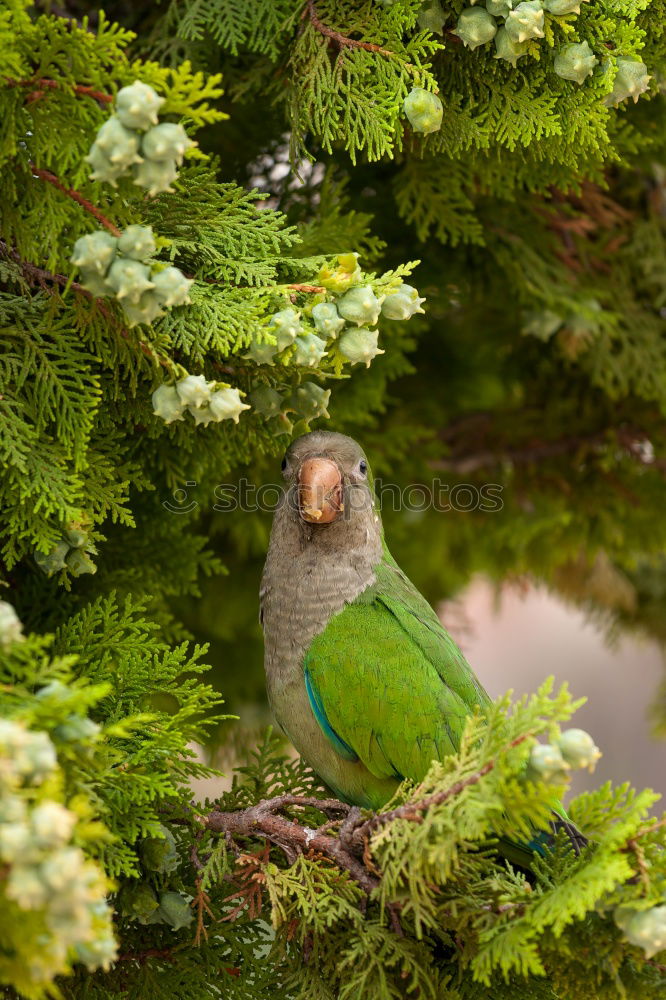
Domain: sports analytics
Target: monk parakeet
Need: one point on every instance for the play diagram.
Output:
(361, 675)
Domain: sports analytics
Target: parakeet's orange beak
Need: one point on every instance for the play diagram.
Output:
(319, 491)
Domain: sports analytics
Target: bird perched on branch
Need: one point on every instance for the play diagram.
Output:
(361, 675)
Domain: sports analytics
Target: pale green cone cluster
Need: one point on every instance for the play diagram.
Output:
(123, 267)
(201, 399)
(551, 762)
(72, 552)
(46, 877)
(341, 326)
(133, 142)
(515, 25)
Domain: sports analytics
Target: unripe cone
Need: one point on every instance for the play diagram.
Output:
(526, 21)
(402, 304)
(360, 305)
(341, 277)
(194, 390)
(360, 345)
(79, 563)
(226, 404)
(285, 326)
(11, 629)
(560, 7)
(432, 17)
(310, 349)
(506, 48)
(154, 176)
(171, 287)
(265, 401)
(424, 110)
(137, 106)
(475, 27)
(54, 560)
(547, 764)
(137, 242)
(575, 62)
(203, 415)
(95, 252)
(646, 929)
(631, 80)
(261, 354)
(103, 169)
(579, 749)
(175, 910)
(311, 400)
(148, 308)
(129, 279)
(166, 141)
(327, 319)
(500, 8)
(119, 144)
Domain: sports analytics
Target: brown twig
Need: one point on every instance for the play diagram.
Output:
(350, 850)
(636, 848)
(44, 84)
(50, 178)
(316, 289)
(413, 811)
(343, 41)
(262, 820)
(42, 278)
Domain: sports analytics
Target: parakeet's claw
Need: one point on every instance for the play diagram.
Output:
(319, 491)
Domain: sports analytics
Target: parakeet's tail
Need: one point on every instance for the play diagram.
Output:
(577, 840)
(522, 854)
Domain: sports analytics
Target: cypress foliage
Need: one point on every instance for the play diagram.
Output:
(169, 323)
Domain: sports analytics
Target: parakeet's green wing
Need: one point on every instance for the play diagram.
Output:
(386, 681)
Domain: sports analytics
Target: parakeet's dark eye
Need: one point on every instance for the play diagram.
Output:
(362, 467)
(284, 463)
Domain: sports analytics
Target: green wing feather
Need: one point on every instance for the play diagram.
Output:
(389, 681)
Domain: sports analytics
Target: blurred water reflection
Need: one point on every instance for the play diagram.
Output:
(518, 640)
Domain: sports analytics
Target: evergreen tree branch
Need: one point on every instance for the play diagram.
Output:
(351, 849)
(413, 811)
(293, 838)
(343, 41)
(43, 278)
(50, 178)
(45, 84)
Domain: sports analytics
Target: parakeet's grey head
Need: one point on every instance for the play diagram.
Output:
(328, 483)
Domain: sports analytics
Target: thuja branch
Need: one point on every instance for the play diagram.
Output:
(343, 41)
(42, 278)
(414, 810)
(264, 820)
(76, 196)
(350, 849)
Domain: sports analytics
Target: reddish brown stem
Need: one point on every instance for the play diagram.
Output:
(50, 178)
(343, 41)
(315, 289)
(39, 276)
(414, 810)
(44, 84)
